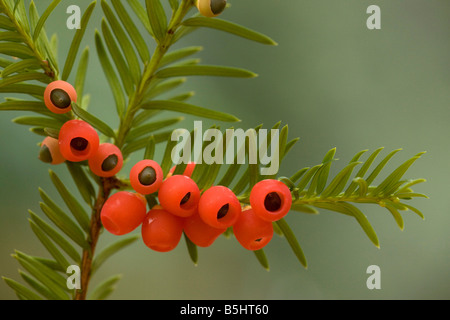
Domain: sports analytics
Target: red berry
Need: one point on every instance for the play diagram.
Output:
(219, 207)
(187, 171)
(78, 140)
(179, 195)
(107, 161)
(123, 212)
(50, 152)
(58, 96)
(200, 233)
(252, 232)
(161, 231)
(270, 199)
(146, 176)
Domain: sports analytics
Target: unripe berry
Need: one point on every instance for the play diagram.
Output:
(50, 152)
(211, 8)
(107, 161)
(161, 231)
(58, 96)
(252, 232)
(146, 176)
(200, 233)
(78, 140)
(270, 199)
(179, 195)
(123, 212)
(219, 207)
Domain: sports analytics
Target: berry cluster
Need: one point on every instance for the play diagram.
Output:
(77, 140)
(202, 215)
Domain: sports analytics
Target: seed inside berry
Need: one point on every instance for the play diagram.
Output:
(110, 162)
(79, 144)
(147, 176)
(45, 155)
(185, 198)
(258, 240)
(60, 98)
(217, 6)
(272, 202)
(223, 211)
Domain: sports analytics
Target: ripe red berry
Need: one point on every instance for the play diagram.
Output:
(78, 140)
(200, 233)
(50, 152)
(252, 232)
(107, 161)
(270, 199)
(161, 231)
(187, 171)
(179, 195)
(123, 212)
(219, 207)
(58, 96)
(146, 176)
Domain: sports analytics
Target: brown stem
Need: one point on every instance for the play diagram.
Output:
(107, 185)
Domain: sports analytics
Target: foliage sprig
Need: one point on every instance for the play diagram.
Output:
(139, 77)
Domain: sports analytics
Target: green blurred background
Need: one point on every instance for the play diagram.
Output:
(336, 84)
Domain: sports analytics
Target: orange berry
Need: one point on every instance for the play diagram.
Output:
(252, 232)
(123, 212)
(179, 195)
(146, 176)
(78, 140)
(200, 233)
(50, 152)
(58, 96)
(107, 161)
(219, 207)
(270, 199)
(161, 231)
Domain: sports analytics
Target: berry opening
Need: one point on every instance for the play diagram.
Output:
(79, 144)
(217, 6)
(45, 154)
(185, 199)
(223, 211)
(185, 204)
(110, 162)
(272, 202)
(147, 176)
(60, 98)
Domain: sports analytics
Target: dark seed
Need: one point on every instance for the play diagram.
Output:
(223, 211)
(185, 198)
(110, 162)
(45, 155)
(60, 98)
(258, 240)
(79, 144)
(217, 6)
(147, 176)
(272, 202)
